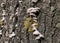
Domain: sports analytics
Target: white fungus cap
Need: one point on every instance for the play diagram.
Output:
(39, 35)
(12, 35)
(16, 13)
(36, 32)
(34, 24)
(16, 25)
(2, 26)
(34, 1)
(20, 1)
(32, 10)
(3, 19)
(2, 4)
(0, 32)
(58, 25)
(32, 14)
(34, 28)
(34, 18)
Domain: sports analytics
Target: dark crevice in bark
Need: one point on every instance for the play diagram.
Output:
(53, 3)
(27, 36)
(39, 41)
(45, 25)
(53, 35)
(20, 35)
(53, 15)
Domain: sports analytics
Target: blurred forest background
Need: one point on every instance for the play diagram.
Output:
(48, 18)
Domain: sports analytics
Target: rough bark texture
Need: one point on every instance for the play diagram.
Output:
(48, 18)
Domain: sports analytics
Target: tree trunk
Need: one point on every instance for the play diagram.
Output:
(48, 18)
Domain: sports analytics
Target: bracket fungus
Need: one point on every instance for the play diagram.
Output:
(58, 25)
(3, 5)
(32, 24)
(12, 35)
(0, 32)
(38, 35)
(34, 1)
(33, 10)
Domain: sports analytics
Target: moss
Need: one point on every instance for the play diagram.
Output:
(28, 24)
(1, 23)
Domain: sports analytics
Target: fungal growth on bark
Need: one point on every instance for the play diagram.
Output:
(31, 22)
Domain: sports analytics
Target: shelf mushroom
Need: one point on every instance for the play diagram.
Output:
(34, 1)
(37, 34)
(32, 24)
(12, 35)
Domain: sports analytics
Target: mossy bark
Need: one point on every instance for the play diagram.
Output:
(47, 19)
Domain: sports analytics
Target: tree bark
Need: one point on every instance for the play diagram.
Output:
(48, 18)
